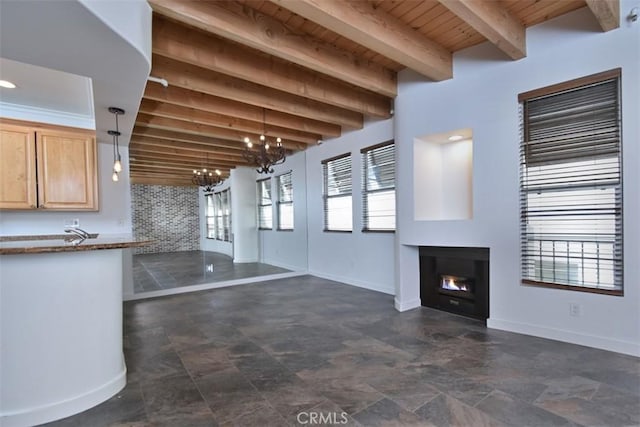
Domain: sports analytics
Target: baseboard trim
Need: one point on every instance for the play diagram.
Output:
(283, 265)
(406, 305)
(66, 408)
(617, 346)
(352, 282)
(244, 260)
(215, 285)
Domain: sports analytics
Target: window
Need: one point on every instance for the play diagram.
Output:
(337, 193)
(225, 208)
(218, 215)
(285, 202)
(378, 188)
(210, 216)
(571, 185)
(265, 213)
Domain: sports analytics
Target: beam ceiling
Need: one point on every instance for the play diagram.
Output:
(303, 70)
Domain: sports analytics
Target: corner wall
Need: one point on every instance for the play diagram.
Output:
(483, 97)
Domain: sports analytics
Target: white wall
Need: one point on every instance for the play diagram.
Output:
(443, 177)
(357, 258)
(562, 49)
(287, 249)
(243, 215)
(60, 334)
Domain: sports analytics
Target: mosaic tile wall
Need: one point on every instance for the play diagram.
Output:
(169, 215)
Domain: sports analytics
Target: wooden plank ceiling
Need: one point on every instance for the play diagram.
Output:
(303, 70)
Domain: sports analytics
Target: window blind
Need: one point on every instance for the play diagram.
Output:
(378, 192)
(337, 193)
(265, 212)
(571, 187)
(285, 202)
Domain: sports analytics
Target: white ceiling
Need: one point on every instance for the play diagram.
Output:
(43, 88)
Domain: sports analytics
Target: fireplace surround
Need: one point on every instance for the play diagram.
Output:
(455, 279)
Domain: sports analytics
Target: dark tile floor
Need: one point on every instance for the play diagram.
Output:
(286, 352)
(154, 272)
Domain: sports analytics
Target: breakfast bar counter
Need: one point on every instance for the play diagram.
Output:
(60, 326)
(63, 243)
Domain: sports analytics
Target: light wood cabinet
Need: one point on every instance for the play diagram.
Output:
(17, 167)
(47, 167)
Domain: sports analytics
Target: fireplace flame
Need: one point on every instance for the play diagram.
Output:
(449, 283)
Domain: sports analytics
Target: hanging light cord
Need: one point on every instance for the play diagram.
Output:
(117, 164)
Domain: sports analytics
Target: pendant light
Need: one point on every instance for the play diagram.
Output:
(117, 159)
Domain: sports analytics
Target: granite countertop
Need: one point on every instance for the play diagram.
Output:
(61, 243)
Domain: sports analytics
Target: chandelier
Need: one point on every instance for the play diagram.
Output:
(206, 179)
(266, 155)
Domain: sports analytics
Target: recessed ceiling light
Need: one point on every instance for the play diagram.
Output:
(7, 84)
(455, 137)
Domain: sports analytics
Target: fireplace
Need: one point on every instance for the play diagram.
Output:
(455, 279)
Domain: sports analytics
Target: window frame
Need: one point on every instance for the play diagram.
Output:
(617, 262)
(281, 203)
(210, 229)
(365, 191)
(325, 188)
(264, 205)
(225, 206)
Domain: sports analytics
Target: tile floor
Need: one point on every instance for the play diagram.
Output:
(276, 353)
(154, 272)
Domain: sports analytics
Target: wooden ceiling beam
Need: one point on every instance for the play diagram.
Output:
(607, 13)
(140, 141)
(150, 166)
(218, 120)
(173, 40)
(202, 159)
(160, 134)
(199, 129)
(494, 22)
(214, 104)
(152, 180)
(185, 176)
(251, 28)
(171, 148)
(369, 26)
(140, 160)
(148, 143)
(200, 80)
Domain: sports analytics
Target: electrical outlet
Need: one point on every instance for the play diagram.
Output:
(575, 309)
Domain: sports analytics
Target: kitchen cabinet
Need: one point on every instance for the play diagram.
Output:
(47, 167)
(17, 167)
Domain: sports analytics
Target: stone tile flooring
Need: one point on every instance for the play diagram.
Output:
(154, 272)
(286, 352)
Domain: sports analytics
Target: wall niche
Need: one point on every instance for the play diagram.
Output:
(443, 176)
